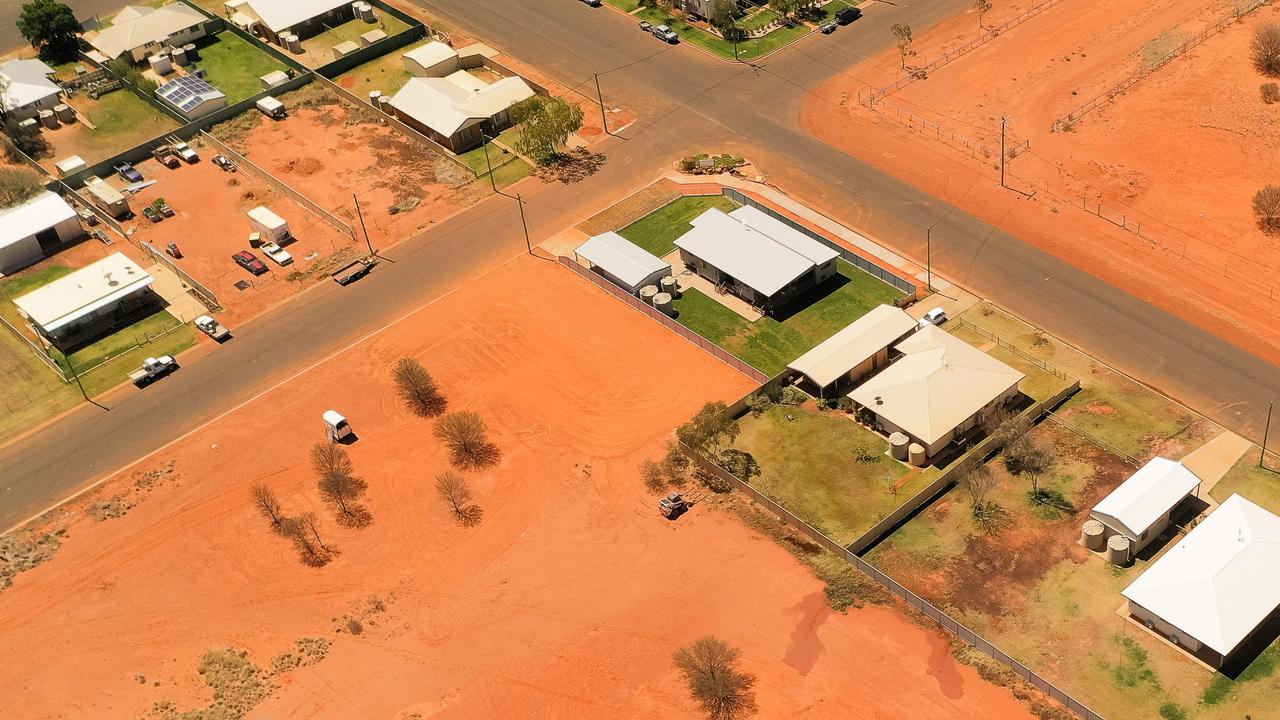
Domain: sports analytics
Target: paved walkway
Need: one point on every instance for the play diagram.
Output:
(1213, 459)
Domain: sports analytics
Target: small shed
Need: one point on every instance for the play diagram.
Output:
(67, 166)
(624, 263)
(344, 49)
(274, 79)
(372, 37)
(1140, 508)
(271, 226)
(434, 59)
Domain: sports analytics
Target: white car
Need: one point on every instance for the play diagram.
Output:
(276, 253)
(936, 316)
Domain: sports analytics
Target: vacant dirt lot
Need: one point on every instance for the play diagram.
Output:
(567, 598)
(1179, 154)
(329, 151)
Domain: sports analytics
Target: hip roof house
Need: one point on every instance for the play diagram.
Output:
(755, 256)
(30, 230)
(1140, 507)
(139, 32)
(857, 350)
(938, 390)
(625, 264)
(26, 88)
(455, 109)
(1216, 586)
(94, 298)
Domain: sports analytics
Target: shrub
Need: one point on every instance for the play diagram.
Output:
(846, 404)
(1270, 93)
(1172, 711)
(721, 690)
(655, 480)
(793, 396)
(1265, 49)
(27, 141)
(1266, 208)
(864, 452)
(759, 404)
(18, 185)
(465, 435)
(418, 389)
(453, 489)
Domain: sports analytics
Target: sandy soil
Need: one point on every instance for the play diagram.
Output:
(1181, 153)
(565, 601)
(210, 225)
(329, 152)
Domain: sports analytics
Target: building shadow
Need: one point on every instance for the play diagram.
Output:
(809, 297)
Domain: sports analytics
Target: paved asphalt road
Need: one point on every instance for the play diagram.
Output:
(10, 38)
(687, 102)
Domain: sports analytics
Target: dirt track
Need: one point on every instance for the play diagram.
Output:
(567, 599)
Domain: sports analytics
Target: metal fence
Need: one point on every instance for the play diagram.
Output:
(959, 322)
(202, 293)
(280, 185)
(1223, 23)
(941, 618)
(40, 352)
(706, 345)
(846, 254)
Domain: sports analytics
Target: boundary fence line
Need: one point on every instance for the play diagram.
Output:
(1065, 121)
(960, 322)
(1131, 460)
(928, 609)
(279, 184)
(202, 293)
(40, 352)
(694, 338)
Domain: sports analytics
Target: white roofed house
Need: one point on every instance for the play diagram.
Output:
(624, 263)
(274, 19)
(856, 351)
(755, 256)
(454, 110)
(34, 228)
(138, 32)
(1140, 508)
(90, 302)
(939, 390)
(26, 88)
(1214, 589)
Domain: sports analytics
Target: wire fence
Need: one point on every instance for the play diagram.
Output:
(1074, 116)
(974, 148)
(39, 352)
(202, 293)
(959, 322)
(636, 303)
(921, 72)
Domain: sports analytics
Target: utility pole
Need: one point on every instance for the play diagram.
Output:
(528, 245)
(735, 38)
(484, 143)
(1003, 120)
(604, 120)
(360, 215)
(928, 257)
(1262, 457)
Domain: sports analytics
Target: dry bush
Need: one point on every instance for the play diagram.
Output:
(1270, 93)
(465, 435)
(1266, 207)
(18, 185)
(979, 482)
(721, 690)
(344, 492)
(655, 478)
(1265, 49)
(330, 460)
(453, 489)
(269, 505)
(418, 389)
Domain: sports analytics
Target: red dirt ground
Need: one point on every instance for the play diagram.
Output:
(210, 225)
(1182, 152)
(566, 601)
(329, 152)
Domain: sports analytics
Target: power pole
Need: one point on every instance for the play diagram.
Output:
(928, 257)
(528, 245)
(1262, 457)
(484, 143)
(1003, 120)
(603, 119)
(360, 215)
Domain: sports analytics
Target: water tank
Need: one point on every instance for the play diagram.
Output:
(669, 286)
(293, 42)
(49, 120)
(191, 52)
(662, 303)
(647, 293)
(386, 105)
(161, 63)
(898, 443)
(915, 451)
(375, 98)
(179, 56)
(1118, 550)
(1091, 536)
(365, 11)
(65, 113)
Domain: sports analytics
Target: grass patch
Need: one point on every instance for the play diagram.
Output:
(828, 12)
(1126, 415)
(31, 391)
(1259, 485)
(386, 73)
(807, 464)
(626, 6)
(507, 167)
(234, 66)
(768, 344)
(512, 172)
(658, 231)
(112, 358)
(747, 49)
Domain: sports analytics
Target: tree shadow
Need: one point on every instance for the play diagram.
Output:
(573, 166)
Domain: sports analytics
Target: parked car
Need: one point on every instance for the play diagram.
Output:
(828, 27)
(166, 156)
(224, 162)
(128, 172)
(592, 3)
(646, 26)
(153, 369)
(174, 252)
(163, 208)
(276, 253)
(665, 34)
(250, 262)
(186, 151)
(844, 16)
(152, 214)
(936, 316)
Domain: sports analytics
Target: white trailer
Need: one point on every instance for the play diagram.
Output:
(269, 225)
(271, 107)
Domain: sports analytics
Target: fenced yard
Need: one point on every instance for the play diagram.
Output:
(234, 65)
(658, 231)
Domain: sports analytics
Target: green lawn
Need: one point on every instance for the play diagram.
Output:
(625, 5)
(1129, 416)
(31, 391)
(769, 344)
(747, 50)
(657, 232)
(386, 73)
(127, 339)
(353, 29)
(807, 464)
(1038, 384)
(1259, 485)
(122, 120)
(507, 168)
(234, 66)
(828, 11)
(757, 20)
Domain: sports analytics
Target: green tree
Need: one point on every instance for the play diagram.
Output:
(786, 8)
(723, 19)
(545, 124)
(52, 29)
(710, 429)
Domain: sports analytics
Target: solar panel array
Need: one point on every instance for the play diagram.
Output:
(187, 92)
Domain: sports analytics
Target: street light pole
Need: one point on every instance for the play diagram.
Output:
(484, 143)
(604, 120)
(1262, 457)
(363, 228)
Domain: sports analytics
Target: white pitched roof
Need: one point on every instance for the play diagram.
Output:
(853, 345)
(33, 216)
(621, 258)
(432, 53)
(280, 15)
(1147, 495)
(27, 82)
(68, 299)
(135, 27)
(1220, 581)
(939, 383)
(762, 253)
(449, 104)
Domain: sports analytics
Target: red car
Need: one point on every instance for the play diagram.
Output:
(250, 262)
